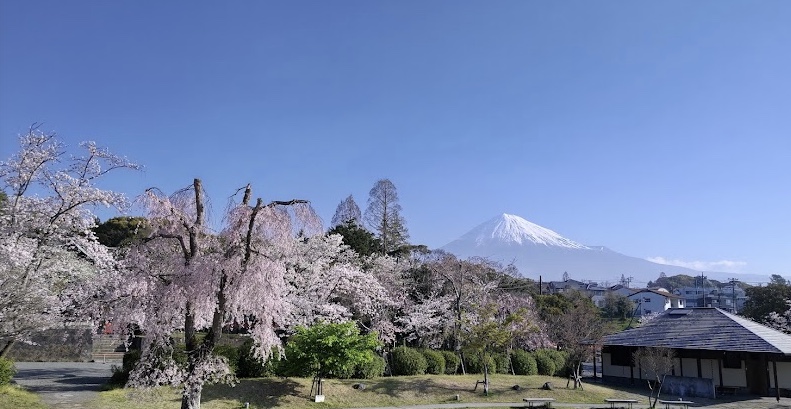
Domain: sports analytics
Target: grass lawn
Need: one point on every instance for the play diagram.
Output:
(14, 397)
(293, 393)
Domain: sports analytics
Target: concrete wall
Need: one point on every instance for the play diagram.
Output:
(70, 344)
(686, 387)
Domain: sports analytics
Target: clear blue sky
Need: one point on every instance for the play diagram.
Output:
(658, 129)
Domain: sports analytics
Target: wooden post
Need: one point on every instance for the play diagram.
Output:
(594, 362)
(777, 385)
(719, 362)
(700, 368)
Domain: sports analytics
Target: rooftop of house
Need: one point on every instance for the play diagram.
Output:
(704, 329)
(662, 293)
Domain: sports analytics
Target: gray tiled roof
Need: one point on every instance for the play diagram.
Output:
(662, 293)
(704, 328)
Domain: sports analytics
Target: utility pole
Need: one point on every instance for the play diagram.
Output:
(733, 282)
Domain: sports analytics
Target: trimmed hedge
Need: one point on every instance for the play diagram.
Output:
(560, 358)
(435, 362)
(451, 362)
(546, 365)
(374, 368)
(408, 361)
(503, 363)
(7, 371)
(474, 364)
(524, 362)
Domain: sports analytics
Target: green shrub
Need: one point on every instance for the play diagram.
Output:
(503, 363)
(7, 371)
(524, 362)
(230, 353)
(451, 362)
(560, 358)
(121, 374)
(435, 362)
(545, 363)
(374, 368)
(474, 364)
(343, 373)
(408, 361)
(248, 366)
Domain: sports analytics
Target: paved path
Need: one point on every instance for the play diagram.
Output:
(751, 403)
(63, 385)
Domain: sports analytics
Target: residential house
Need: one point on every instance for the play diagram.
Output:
(728, 297)
(556, 287)
(597, 294)
(651, 301)
(694, 296)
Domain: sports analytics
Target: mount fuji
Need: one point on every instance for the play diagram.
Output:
(536, 250)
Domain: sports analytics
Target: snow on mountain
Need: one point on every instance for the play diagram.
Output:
(510, 229)
(536, 250)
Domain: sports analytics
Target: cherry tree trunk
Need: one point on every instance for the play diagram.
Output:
(6, 348)
(191, 397)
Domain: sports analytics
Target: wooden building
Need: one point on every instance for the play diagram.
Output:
(716, 352)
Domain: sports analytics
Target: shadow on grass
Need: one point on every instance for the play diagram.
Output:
(260, 392)
(395, 387)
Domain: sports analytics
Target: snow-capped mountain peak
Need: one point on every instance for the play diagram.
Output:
(511, 229)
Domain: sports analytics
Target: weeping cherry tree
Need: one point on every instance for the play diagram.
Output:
(185, 277)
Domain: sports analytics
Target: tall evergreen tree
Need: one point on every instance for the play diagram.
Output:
(359, 239)
(347, 210)
(383, 216)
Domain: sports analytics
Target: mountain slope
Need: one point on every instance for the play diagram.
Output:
(536, 250)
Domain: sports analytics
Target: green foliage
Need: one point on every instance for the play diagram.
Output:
(503, 363)
(248, 366)
(408, 361)
(330, 349)
(524, 362)
(360, 240)
(230, 353)
(779, 280)
(451, 362)
(617, 306)
(373, 368)
(7, 371)
(121, 374)
(120, 231)
(490, 334)
(545, 363)
(435, 362)
(763, 300)
(560, 358)
(682, 280)
(474, 364)
(552, 305)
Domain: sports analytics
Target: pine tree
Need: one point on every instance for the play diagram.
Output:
(383, 216)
